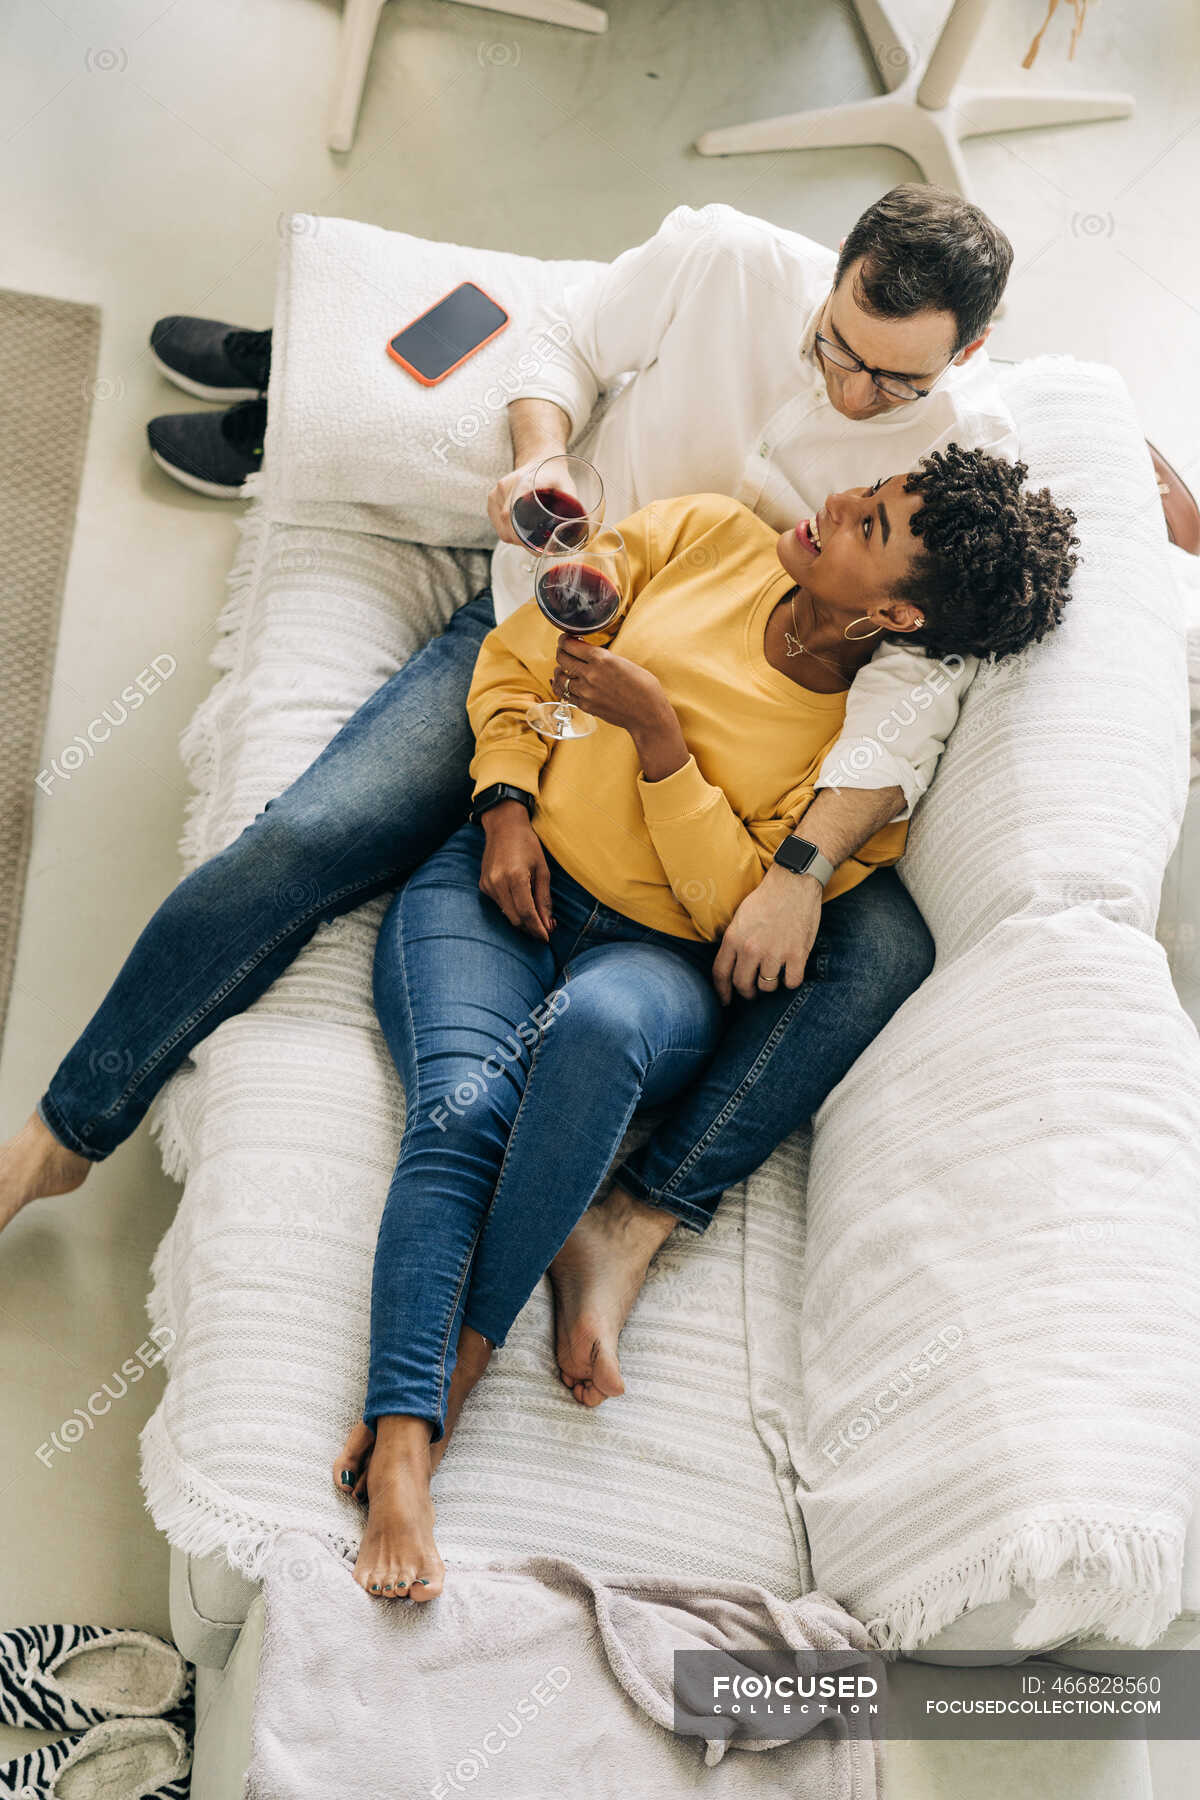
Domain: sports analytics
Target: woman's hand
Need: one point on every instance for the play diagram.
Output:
(515, 872)
(622, 693)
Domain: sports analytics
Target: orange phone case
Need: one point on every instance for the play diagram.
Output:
(432, 380)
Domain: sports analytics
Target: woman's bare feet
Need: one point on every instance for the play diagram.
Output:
(350, 1466)
(597, 1276)
(34, 1166)
(398, 1557)
(474, 1355)
(353, 1461)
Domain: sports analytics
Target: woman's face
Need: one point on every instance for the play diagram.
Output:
(858, 549)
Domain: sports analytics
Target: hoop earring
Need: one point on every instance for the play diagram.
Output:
(860, 637)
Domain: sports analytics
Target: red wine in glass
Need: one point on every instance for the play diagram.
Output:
(536, 516)
(581, 593)
(576, 597)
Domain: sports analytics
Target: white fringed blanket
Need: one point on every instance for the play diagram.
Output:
(998, 1322)
(287, 1127)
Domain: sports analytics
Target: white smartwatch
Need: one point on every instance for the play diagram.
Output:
(803, 858)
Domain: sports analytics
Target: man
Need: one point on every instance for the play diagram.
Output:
(762, 366)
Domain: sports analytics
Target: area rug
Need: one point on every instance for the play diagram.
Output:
(48, 352)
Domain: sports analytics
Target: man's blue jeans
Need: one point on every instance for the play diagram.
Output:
(522, 1063)
(388, 791)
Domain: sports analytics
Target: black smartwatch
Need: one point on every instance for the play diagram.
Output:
(492, 796)
(803, 858)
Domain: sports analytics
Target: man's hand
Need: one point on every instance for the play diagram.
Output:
(771, 934)
(515, 873)
(769, 938)
(538, 429)
(508, 489)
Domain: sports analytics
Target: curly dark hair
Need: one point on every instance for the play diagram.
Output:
(992, 572)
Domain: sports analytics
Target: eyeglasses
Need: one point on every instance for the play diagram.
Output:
(891, 385)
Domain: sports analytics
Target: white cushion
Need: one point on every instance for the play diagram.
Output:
(353, 440)
(1013, 1164)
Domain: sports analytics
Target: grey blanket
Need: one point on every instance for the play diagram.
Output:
(525, 1682)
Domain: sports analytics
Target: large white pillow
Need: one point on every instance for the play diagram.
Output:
(353, 440)
(1065, 779)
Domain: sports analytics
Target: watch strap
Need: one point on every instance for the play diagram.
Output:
(499, 791)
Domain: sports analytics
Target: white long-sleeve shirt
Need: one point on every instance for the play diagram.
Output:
(715, 318)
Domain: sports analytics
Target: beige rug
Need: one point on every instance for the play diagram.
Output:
(48, 354)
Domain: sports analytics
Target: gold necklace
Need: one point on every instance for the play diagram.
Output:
(794, 645)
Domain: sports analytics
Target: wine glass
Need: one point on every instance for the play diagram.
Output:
(564, 491)
(581, 590)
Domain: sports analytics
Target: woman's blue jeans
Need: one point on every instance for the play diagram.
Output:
(522, 1063)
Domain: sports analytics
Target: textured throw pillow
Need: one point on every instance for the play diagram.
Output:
(354, 441)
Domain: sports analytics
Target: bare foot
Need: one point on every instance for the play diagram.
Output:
(597, 1276)
(33, 1166)
(350, 1464)
(398, 1558)
(353, 1460)
(474, 1355)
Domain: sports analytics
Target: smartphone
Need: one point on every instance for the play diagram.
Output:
(453, 329)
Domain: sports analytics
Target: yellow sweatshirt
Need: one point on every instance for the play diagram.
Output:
(679, 855)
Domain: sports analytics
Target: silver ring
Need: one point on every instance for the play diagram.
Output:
(566, 687)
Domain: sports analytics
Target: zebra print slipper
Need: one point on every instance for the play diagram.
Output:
(123, 1759)
(66, 1677)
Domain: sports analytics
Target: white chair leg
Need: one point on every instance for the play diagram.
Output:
(980, 110)
(822, 128)
(894, 54)
(360, 21)
(573, 13)
(927, 137)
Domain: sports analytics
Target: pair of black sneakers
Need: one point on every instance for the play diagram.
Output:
(212, 453)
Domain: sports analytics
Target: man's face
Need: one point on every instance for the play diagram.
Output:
(918, 350)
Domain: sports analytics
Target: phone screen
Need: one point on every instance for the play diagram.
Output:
(449, 331)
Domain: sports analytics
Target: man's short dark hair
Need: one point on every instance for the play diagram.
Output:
(923, 249)
(993, 569)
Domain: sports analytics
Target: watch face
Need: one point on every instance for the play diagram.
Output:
(800, 854)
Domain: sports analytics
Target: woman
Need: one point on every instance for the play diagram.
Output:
(548, 970)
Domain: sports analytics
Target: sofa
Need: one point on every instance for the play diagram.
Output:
(285, 1122)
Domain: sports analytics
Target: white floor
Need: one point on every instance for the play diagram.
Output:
(149, 150)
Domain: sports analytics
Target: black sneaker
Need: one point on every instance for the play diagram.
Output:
(212, 360)
(211, 452)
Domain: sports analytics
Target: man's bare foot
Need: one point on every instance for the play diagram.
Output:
(34, 1166)
(398, 1557)
(597, 1276)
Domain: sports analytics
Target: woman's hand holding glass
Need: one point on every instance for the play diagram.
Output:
(623, 693)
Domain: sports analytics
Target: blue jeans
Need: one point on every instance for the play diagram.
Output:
(522, 1063)
(389, 789)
